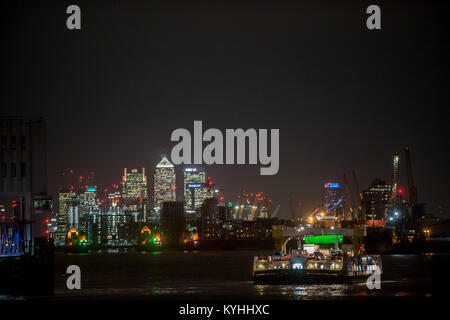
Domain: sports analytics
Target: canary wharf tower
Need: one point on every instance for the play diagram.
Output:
(164, 183)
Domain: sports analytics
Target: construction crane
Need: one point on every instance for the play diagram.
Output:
(275, 212)
(350, 197)
(411, 186)
(360, 211)
(292, 209)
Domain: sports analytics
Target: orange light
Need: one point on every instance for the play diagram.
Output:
(145, 229)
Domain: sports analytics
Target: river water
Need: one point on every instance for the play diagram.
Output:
(227, 274)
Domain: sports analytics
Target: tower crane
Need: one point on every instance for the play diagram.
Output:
(360, 211)
(292, 209)
(350, 197)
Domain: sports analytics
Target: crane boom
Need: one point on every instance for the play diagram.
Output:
(360, 210)
(275, 212)
(292, 209)
(350, 196)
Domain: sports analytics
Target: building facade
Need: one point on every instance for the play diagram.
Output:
(164, 183)
(134, 192)
(333, 199)
(23, 177)
(196, 188)
(376, 200)
(173, 222)
(64, 199)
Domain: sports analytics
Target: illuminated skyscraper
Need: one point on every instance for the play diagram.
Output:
(65, 199)
(196, 188)
(73, 214)
(134, 184)
(376, 200)
(114, 199)
(89, 200)
(88, 206)
(134, 191)
(333, 198)
(165, 181)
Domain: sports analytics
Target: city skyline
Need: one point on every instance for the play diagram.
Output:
(354, 116)
(228, 151)
(327, 200)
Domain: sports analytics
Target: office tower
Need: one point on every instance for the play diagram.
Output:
(134, 192)
(88, 206)
(211, 220)
(114, 199)
(23, 178)
(196, 188)
(333, 200)
(165, 181)
(376, 200)
(134, 184)
(172, 222)
(62, 219)
(73, 214)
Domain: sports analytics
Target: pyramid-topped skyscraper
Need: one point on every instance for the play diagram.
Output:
(165, 181)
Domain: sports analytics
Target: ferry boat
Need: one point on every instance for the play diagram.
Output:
(319, 259)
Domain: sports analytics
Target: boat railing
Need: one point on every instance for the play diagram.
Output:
(362, 266)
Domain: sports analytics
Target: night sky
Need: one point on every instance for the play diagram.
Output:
(344, 98)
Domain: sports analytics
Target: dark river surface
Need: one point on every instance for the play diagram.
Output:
(227, 275)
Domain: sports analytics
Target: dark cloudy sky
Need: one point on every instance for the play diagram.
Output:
(344, 98)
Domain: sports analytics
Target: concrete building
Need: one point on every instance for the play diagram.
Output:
(23, 177)
(173, 222)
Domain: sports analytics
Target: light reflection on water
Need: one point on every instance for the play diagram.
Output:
(215, 274)
(310, 291)
(6, 297)
(231, 288)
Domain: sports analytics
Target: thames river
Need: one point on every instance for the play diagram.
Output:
(227, 274)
